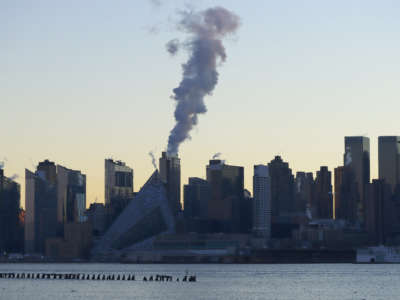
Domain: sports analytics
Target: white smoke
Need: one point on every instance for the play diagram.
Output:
(348, 159)
(153, 160)
(216, 155)
(200, 76)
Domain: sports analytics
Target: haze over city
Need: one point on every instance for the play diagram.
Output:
(84, 82)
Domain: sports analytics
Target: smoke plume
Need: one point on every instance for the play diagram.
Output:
(348, 159)
(216, 155)
(200, 76)
(173, 46)
(14, 177)
(153, 160)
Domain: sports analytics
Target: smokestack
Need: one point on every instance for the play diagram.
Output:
(200, 76)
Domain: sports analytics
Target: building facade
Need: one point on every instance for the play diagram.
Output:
(118, 181)
(261, 202)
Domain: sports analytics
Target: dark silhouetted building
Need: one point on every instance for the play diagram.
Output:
(389, 159)
(41, 207)
(347, 197)
(225, 206)
(304, 191)
(282, 187)
(322, 207)
(170, 172)
(11, 231)
(97, 217)
(196, 196)
(357, 157)
(379, 211)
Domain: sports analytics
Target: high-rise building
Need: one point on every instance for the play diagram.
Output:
(282, 187)
(261, 202)
(338, 181)
(357, 157)
(196, 196)
(118, 181)
(47, 169)
(379, 211)
(347, 197)
(170, 172)
(226, 203)
(304, 191)
(389, 159)
(71, 196)
(323, 200)
(41, 207)
(11, 233)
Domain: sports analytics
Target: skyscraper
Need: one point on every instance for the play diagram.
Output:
(262, 202)
(304, 191)
(323, 204)
(379, 209)
(282, 187)
(389, 159)
(170, 172)
(357, 158)
(227, 196)
(71, 195)
(41, 207)
(196, 196)
(118, 181)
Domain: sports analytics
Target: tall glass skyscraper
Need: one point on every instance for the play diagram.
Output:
(357, 157)
(389, 159)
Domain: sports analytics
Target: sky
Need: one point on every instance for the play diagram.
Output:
(81, 81)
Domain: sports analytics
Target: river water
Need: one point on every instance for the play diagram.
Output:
(292, 281)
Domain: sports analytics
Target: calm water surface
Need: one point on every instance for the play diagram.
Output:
(322, 281)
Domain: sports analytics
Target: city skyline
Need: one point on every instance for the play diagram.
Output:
(82, 87)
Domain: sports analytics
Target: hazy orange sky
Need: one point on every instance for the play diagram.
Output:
(81, 82)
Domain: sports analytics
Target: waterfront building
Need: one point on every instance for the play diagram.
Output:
(170, 172)
(261, 202)
(226, 205)
(389, 159)
(282, 187)
(148, 216)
